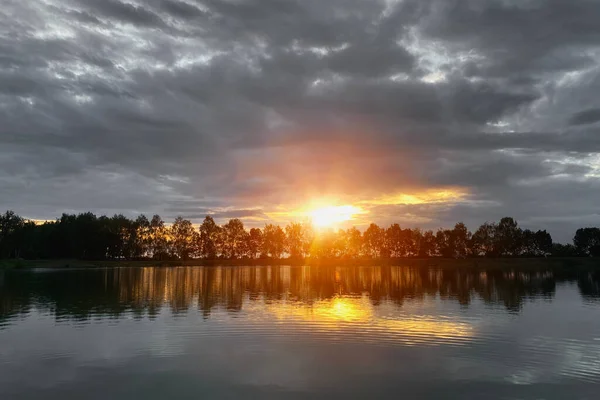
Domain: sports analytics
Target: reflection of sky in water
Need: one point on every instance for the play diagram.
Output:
(360, 318)
(298, 332)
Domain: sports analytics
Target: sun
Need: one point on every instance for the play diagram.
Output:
(332, 215)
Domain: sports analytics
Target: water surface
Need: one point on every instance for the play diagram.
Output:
(299, 332)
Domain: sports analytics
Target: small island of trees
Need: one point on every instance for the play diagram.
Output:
(88, 237)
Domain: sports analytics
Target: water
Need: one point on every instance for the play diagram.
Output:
(299, 332)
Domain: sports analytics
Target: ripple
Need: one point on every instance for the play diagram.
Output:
(400, 324)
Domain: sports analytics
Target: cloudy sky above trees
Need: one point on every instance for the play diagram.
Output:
(424, 112)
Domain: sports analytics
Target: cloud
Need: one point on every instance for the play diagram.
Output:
(116, 10)
(256, 105)
(585, 117)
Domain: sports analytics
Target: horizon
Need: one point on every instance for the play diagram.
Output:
(331, 225)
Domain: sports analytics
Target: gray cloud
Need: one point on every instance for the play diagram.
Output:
(585, 117)
(161, 105)
(180, 9)
(125, 12)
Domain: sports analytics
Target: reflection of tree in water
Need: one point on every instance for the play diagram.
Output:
(589, 285)
(84, 294)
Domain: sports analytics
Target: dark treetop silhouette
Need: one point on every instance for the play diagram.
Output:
(88, 237)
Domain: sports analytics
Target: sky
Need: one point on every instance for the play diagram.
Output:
(422, 112)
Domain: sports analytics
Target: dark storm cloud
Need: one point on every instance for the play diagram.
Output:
(585, 117)
(150, 105)
(124, 12)
(527, 37)
(181, 9)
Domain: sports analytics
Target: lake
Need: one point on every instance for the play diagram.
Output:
(299, 333)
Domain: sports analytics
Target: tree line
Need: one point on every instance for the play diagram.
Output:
(88, 237)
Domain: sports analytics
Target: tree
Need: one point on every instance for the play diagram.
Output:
(564, 250)
(10, 224)
(255, 242)
(86, 236)
(294, 240)
(119, 234)
(355, 242)
(587, 241)
(341, 244)
(483, 241)
(508, 237)
(209, 232)
(140, 243)
(535, 244)
(308, 238)
(460, 237)
(184, 238)
(235, 239)
(427, 244)
(324, 245)
(273, 241)
(92, 237)
(444, 243)
(394, 241)
(374, 240)
(158, 240)
(411, 239)
(453, 243)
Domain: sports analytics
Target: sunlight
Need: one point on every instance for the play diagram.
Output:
(422, 197)
(358, 315)
(334, 212)
(332, 215)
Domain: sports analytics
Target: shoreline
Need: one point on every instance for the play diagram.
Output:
(488, 263)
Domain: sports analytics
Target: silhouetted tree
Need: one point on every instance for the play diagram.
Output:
(273, 241)
(454, 243)
(158, 240)
(374, 241)
(564, 250)
(587, 241)
(119, 232)
(483, 241)
(461, 238)
(443, 242)
(184, 239)
(294, 240)
(325, 245)
(411, 239)
(308, 238)
(508, 237)
(355, 242)
(85, 236)
(209, 232)
(10, 225)
(235, 239)
(140, 243)
(255, 242)
(394, 241)
(427, 244)
(536, 244)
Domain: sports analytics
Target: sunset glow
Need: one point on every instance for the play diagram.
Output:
(332, 215)
(441, 195)
(359, 315)
(333, 211)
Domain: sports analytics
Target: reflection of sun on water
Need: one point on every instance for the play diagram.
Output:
(341, 309)
(357, 315)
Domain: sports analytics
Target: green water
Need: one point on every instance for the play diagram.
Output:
(299, 332)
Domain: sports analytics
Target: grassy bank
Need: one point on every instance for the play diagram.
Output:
(483, 263)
